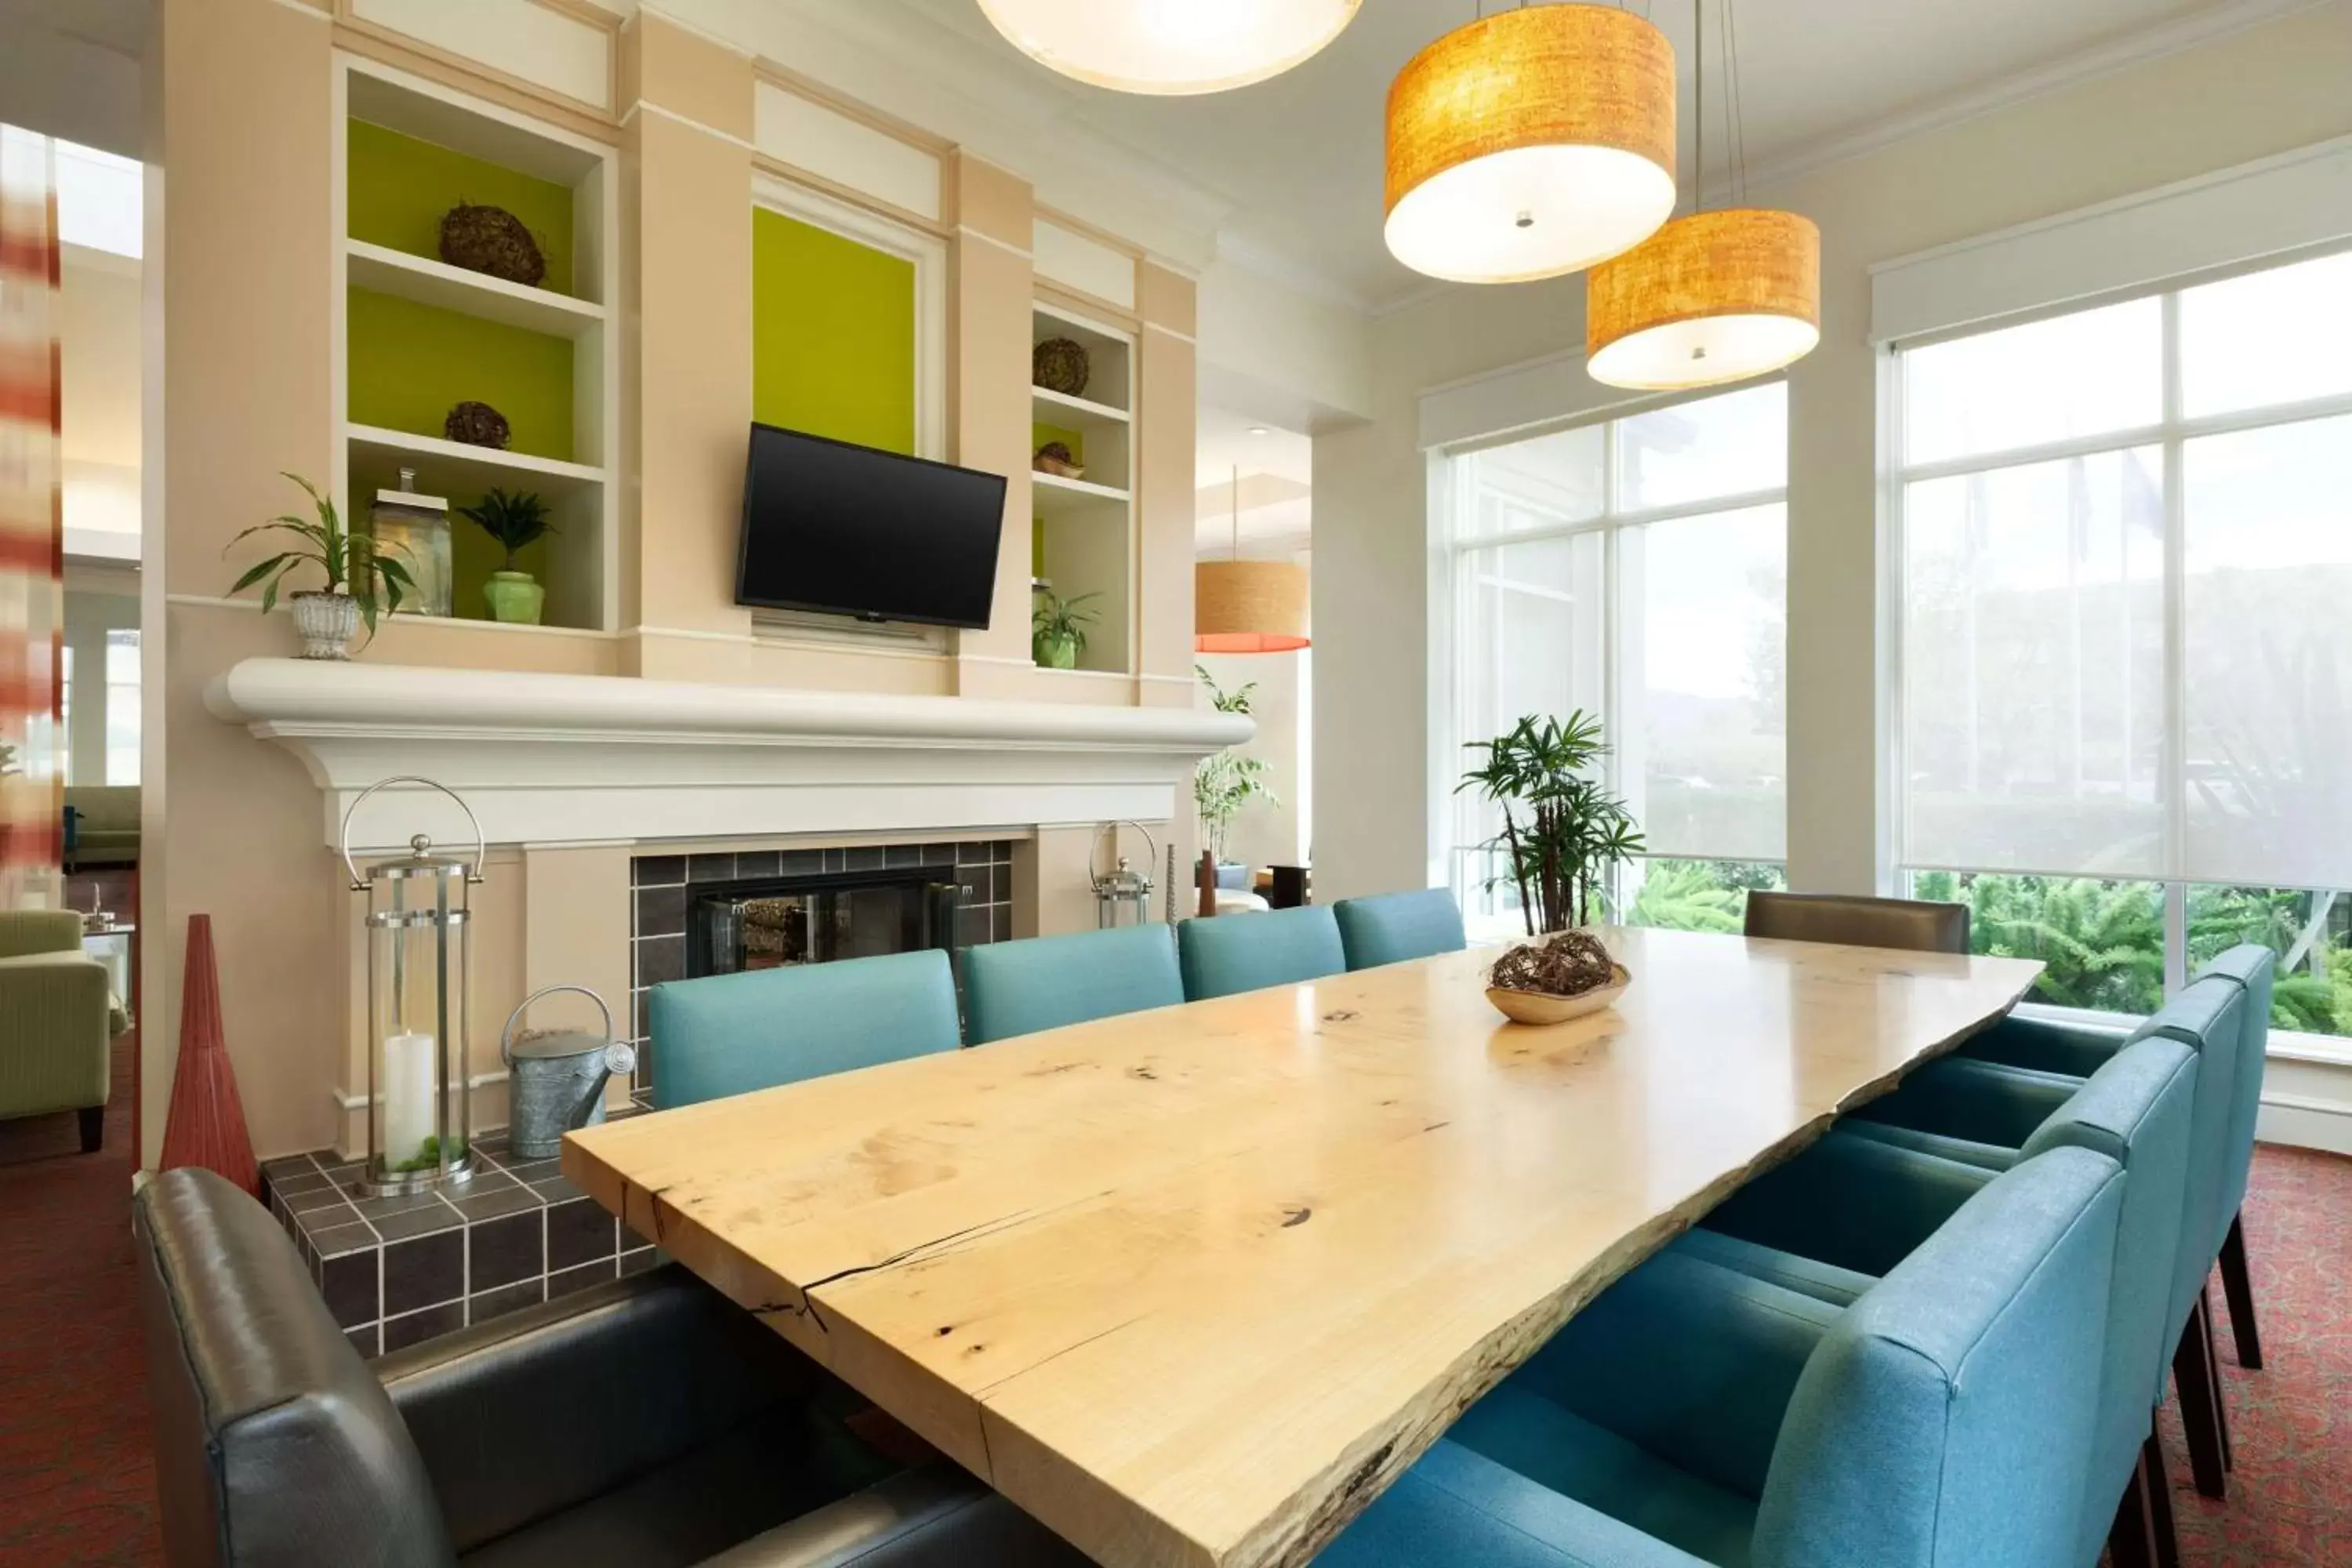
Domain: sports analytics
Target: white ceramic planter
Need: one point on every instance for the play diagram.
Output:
(327, 623)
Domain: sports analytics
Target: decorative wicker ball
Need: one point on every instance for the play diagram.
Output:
(1055, 457)
(477, 425)
(493, 240)
(1060, 365)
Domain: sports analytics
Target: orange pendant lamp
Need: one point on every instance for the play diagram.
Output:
(1248, 606)
(1713, 297)
(1530, 143)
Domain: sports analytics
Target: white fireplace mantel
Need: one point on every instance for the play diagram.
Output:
(576, 759)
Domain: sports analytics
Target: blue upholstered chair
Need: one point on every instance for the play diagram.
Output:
(1249, 952)
(1395, 927)
(1020, 987)
(1831, 1219)
(1697, 1415)
(731, 1033)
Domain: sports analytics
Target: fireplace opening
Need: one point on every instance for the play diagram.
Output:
(774, 922)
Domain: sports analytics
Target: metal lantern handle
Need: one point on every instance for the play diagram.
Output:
(481, 846)
(505, 1035)
(1095, 848)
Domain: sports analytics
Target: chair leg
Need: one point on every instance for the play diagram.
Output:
(2200, 1399)
(93, 1127)
(2214, 1372)
(2238, 1289)
(2131, 1540)
(2159, 1500)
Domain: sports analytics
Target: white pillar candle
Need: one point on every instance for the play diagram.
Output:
(408, 1119)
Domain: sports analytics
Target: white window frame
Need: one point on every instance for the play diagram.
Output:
(2170, 434)
(1449, 672)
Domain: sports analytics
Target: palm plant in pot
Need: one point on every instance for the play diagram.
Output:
(362, 582)
(1058, 628)
(515, 521)
(1563, 834)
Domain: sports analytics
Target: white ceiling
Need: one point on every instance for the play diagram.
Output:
(1277, 468)
(1299, 160)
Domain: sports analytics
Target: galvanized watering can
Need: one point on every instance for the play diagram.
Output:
(555, 1079)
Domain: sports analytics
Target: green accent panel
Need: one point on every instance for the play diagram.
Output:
(400, 188)
(833, 335)
(473, 554)
(411, 364)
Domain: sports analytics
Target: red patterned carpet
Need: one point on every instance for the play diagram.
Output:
(77, 1481)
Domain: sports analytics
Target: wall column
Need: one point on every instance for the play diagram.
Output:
(994, 287)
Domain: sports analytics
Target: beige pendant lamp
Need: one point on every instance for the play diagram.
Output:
(1530, 143)
(1713, 297)
(1171, 46)
(1248, 606)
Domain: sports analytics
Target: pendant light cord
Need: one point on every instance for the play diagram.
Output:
(1698, 96)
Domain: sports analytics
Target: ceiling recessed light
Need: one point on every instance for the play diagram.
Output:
(1260, 430)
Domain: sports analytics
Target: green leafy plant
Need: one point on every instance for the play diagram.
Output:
(1228, 781)
(9, 760)
(348, 559)
(1060, 620)
(1567, 832)
(514, 521)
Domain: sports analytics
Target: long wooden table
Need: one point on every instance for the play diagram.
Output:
(1192, 1286)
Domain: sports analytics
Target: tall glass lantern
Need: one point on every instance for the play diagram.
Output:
(419, 936)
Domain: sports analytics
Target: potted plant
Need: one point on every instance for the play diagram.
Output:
(1225, 783)
(1059, 629)
(515, 521)
(362, 584)
(1559, 846)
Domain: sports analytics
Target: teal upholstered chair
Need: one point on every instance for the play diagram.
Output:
(1020, 987)
(731, 1033)
(1249, 952)
(1395, 927)
(1694, 1413)
(1845, 1211)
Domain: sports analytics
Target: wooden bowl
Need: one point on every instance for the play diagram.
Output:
(1539, 1007)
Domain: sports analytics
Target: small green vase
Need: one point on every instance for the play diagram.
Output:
(514, 598)
(1058, 652)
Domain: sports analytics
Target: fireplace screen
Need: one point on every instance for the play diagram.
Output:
(772, 922)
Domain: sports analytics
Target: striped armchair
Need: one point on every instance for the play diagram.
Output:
(58, 1019)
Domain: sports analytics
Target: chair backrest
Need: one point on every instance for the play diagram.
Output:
(1393, 928)
(1917, 925)
(274, 1446)
(1946, 1417)
(24, 932)
(1020, 987)
(2253, 967)
(731, 1033)
(2207, 1018)
(2137, 1110)
(1227, 954)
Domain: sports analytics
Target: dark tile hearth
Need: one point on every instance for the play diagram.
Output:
(394, 1271)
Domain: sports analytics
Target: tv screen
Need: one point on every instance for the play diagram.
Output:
(852, 531)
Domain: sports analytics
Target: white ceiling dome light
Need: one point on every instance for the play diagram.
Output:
(1171, 46)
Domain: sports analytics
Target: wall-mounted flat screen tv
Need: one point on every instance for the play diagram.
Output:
(851, 531)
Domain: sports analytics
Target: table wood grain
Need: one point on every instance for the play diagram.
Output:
(1192, 1286)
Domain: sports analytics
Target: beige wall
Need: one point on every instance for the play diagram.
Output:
(242, 365)
(2267, 89)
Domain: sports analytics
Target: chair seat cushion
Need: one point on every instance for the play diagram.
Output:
(1531, 1436)
(1808, 1276)
(1967, 1152)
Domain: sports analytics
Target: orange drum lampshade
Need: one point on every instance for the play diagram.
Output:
(1712, 298)
(1248, 606)
(1530, 143)
(1166, 46)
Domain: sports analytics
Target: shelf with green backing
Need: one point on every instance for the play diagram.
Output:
(1050, 407)
(1056, 497)
(426, 281)
(453, 467)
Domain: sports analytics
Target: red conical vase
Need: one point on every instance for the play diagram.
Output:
(206, 1125)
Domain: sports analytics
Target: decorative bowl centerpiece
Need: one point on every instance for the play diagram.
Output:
(1556, 979)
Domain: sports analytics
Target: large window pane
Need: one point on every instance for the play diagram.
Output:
(1702, 757)
(2025, 386)
(2102, 943)
(122, 706)
(1735, 443)
(2267, 337)
(2312, 934)
(1543, 483)
(2268, 655)
(1697, 895)
(2033, 666)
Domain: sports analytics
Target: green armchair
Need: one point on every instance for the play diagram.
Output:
(58, 1020)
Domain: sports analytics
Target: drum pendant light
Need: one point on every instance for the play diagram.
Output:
(1530, 143)
(1170, 47)
(1713, 297)
(1248, 606)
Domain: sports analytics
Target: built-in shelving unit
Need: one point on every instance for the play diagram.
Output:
(414, 334)
(1086, 527)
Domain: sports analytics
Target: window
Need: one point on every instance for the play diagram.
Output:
(2126, 701)
(1636, 569)
(123, 705)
